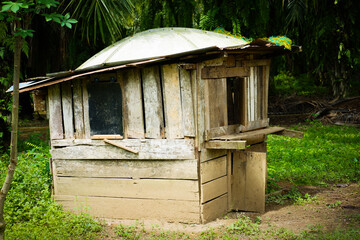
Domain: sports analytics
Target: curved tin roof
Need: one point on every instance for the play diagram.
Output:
(157, 43)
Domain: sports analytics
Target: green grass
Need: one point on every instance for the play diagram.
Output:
(326, 154)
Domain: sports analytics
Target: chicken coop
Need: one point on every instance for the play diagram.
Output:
(166, 124)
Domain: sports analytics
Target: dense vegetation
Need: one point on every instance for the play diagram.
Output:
(327, 154)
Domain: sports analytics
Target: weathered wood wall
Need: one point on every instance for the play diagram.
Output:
(169, 114)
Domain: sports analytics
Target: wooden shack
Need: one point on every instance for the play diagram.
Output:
(157, 128)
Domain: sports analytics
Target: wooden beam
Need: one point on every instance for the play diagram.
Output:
(256, 62)
(223, 72)
(55, 113)
(246, 135)
(100, 137)
(217, 144)
(121, 146)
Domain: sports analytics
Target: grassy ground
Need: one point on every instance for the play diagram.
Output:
(327, 155)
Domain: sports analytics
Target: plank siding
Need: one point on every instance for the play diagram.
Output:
(132, 100)
(187, 103)
(125, 208)
(172, 102)
(212, 169)
(152, 102)
(78, 110)
(159, 169)
(148, 149)
(55, 112)
(128, 188)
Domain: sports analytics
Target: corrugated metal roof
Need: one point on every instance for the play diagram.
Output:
(159, 42)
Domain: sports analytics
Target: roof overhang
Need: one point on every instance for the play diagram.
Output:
(258, 46)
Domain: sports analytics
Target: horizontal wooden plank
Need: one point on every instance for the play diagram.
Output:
(213, 189)
(213, 169)
(208, 154)
(116, 144)
(124, 208)
(219, 144)
(128, 188)
(97, 137)
(223, 72)
(148, 149)
(213, 133)
(250, 134)
(214, 209)
(172, 169)
(256, 62)
(290, 133)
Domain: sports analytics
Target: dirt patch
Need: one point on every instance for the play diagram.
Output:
(328, 208)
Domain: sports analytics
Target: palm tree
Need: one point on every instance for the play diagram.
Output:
(100, 18)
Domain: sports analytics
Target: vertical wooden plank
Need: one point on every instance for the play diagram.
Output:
(266, 72)
(260, 93)
(55, 113)
(78, 109)
(255, 181)
(86, 109)
(152, 102)
(216, 103)
(133, 119)
(172, 101)
(200, 107)
(187, 103)
(194, 83)
(244, 102)
(229, 172)
(67, 109)
(249, 181)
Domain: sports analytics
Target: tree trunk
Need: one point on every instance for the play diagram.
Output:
(14, 132)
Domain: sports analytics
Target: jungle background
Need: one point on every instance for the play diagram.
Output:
(310, 181)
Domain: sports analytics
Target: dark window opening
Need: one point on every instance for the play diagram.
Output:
(235, 100)
(105, 108)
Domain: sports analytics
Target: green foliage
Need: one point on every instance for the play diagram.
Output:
(30, 212)
(285, 83)
(244, 226)
(325, 154)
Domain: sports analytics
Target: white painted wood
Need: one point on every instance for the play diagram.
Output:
(78, 109)
(212, 169)
(148, 149)
(152, 102)
(133, 119)
(172, 101)
(55, 112)
(125, 208)
(213, 189)
(187, 103)
(160, 169)
(128, 188)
